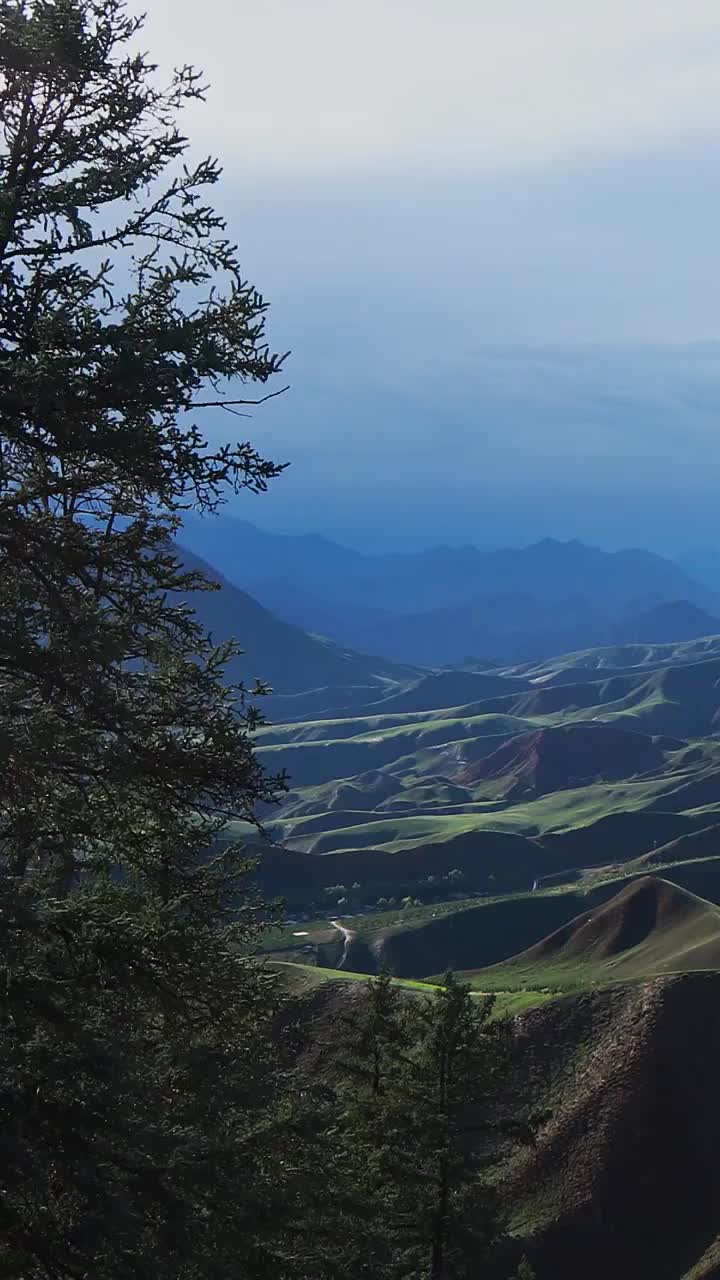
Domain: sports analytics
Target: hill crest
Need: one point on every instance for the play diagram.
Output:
(640, 909)
(650, 928)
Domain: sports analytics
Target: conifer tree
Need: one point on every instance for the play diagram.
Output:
(424, 1075)
(370, 1126)
(142, 1102)
(524, 1271)
(455, 1088)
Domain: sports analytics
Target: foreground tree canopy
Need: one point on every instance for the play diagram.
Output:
(134, 1030)
(155, 1122)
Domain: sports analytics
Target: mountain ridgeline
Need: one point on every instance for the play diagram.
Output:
(444, 605)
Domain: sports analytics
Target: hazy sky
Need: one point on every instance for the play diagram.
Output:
(426, 189)
(448, 86)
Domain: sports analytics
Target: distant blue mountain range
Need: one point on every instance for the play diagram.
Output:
(444, 605)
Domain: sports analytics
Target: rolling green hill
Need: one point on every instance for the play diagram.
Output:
(598, 772)
(553, 832)
(466, 934)
(462, 833)
(552, 759)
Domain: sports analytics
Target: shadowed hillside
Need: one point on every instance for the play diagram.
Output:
(629, 1076)
(437, 606)
(303, 877)
(450, 689)
(470, 933)
(464, 939)
(678, 620)
(704, 843)
(626, 1080)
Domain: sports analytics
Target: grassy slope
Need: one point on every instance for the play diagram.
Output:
(620, 658)
(390, 799)
(626, 1071)
(305, 977)
(301, 979)
(564, 809)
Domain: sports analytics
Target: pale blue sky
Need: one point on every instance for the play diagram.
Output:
(427, 188)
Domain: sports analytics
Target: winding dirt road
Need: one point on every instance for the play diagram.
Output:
(348, 936)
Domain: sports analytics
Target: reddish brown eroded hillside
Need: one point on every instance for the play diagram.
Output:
(556, 758)
(641, 908)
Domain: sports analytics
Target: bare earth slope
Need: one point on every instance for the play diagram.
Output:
(553, 759)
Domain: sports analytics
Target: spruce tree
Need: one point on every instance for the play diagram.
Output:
(424, 1077)
(455, 1087)
(370, 1127)
(141, 1091)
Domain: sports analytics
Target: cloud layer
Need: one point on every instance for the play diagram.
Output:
(449, 85)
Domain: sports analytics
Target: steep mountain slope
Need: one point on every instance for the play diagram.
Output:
(244, 553)
(628, 1077)
(274, 651)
